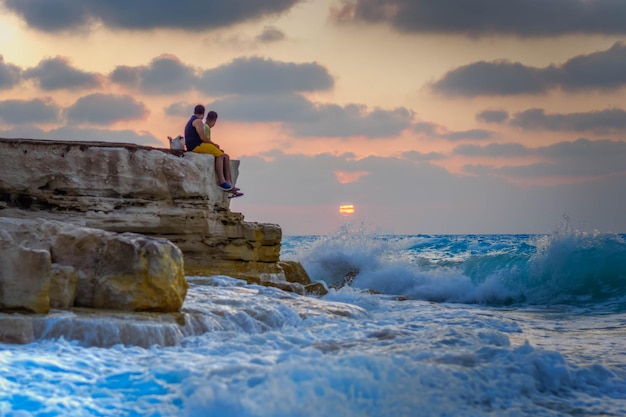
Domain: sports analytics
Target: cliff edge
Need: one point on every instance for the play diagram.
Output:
(158, 193)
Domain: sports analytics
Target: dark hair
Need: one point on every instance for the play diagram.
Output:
(211, 115)
(199, 109)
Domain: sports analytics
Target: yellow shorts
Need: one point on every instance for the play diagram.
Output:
(209, 148)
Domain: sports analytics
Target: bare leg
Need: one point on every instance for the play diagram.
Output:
(219, 169)
(227, 175)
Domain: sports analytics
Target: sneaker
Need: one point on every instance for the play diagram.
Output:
(235, 189)
(225, 186)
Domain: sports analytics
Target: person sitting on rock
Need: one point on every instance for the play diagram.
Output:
(198, 139)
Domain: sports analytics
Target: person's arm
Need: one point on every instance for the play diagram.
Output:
(200, 129)
(203, 126)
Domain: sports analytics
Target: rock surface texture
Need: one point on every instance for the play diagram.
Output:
(48, 264)
(120, 187)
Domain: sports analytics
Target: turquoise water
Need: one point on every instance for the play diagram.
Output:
(473, 325)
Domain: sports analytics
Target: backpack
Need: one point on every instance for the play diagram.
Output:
(178, 143)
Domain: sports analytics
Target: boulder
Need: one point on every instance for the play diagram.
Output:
(24, 277)
(294, 272)
(47, 264)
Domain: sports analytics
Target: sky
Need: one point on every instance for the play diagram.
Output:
(434, 117)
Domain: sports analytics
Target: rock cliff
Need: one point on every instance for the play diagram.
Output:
(47, 264)
(158, 193)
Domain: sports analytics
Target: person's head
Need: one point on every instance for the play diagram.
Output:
(199, 110)
(211, 118)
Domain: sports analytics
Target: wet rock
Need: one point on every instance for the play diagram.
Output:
(316, 288)
(349, 276)
(295, 272)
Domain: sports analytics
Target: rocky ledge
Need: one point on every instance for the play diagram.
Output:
(47, 264)
(118, 226)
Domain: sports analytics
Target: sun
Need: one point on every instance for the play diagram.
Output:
(346, 209)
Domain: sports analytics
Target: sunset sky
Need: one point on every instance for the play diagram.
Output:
(446, 116)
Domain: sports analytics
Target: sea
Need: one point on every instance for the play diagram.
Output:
(412, 325)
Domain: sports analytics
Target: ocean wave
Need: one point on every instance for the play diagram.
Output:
(566, 267)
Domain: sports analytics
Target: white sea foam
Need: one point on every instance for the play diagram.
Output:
(567, 266)
(350, 353)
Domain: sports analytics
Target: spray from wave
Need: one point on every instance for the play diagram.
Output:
(566, 267)
(573, 267)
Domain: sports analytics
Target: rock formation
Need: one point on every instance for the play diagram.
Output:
(47, 264)
(121, 188)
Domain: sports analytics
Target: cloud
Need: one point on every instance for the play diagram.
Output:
(35, 111)
(261, 108)
(83, 134)
(256, 75)
(270, 34)
(521, 18)
(423, 157)
(601, 121)
(165, 74)
(472, 134)
(180, 108)
(492, 116)
(57, 74)
(345, 177)
(432, 130)
(188, 15)
(317, 181)
(303, 118)
(291, 173)
(581, 159)
(102, 109)
(494, 150)
(10, 75)
(603, 71)
(99, 109)
(426, 128)
(499, 78)
(585, 152)
(105, 135)
(431, 199)
(51, 16)
(332, 120)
